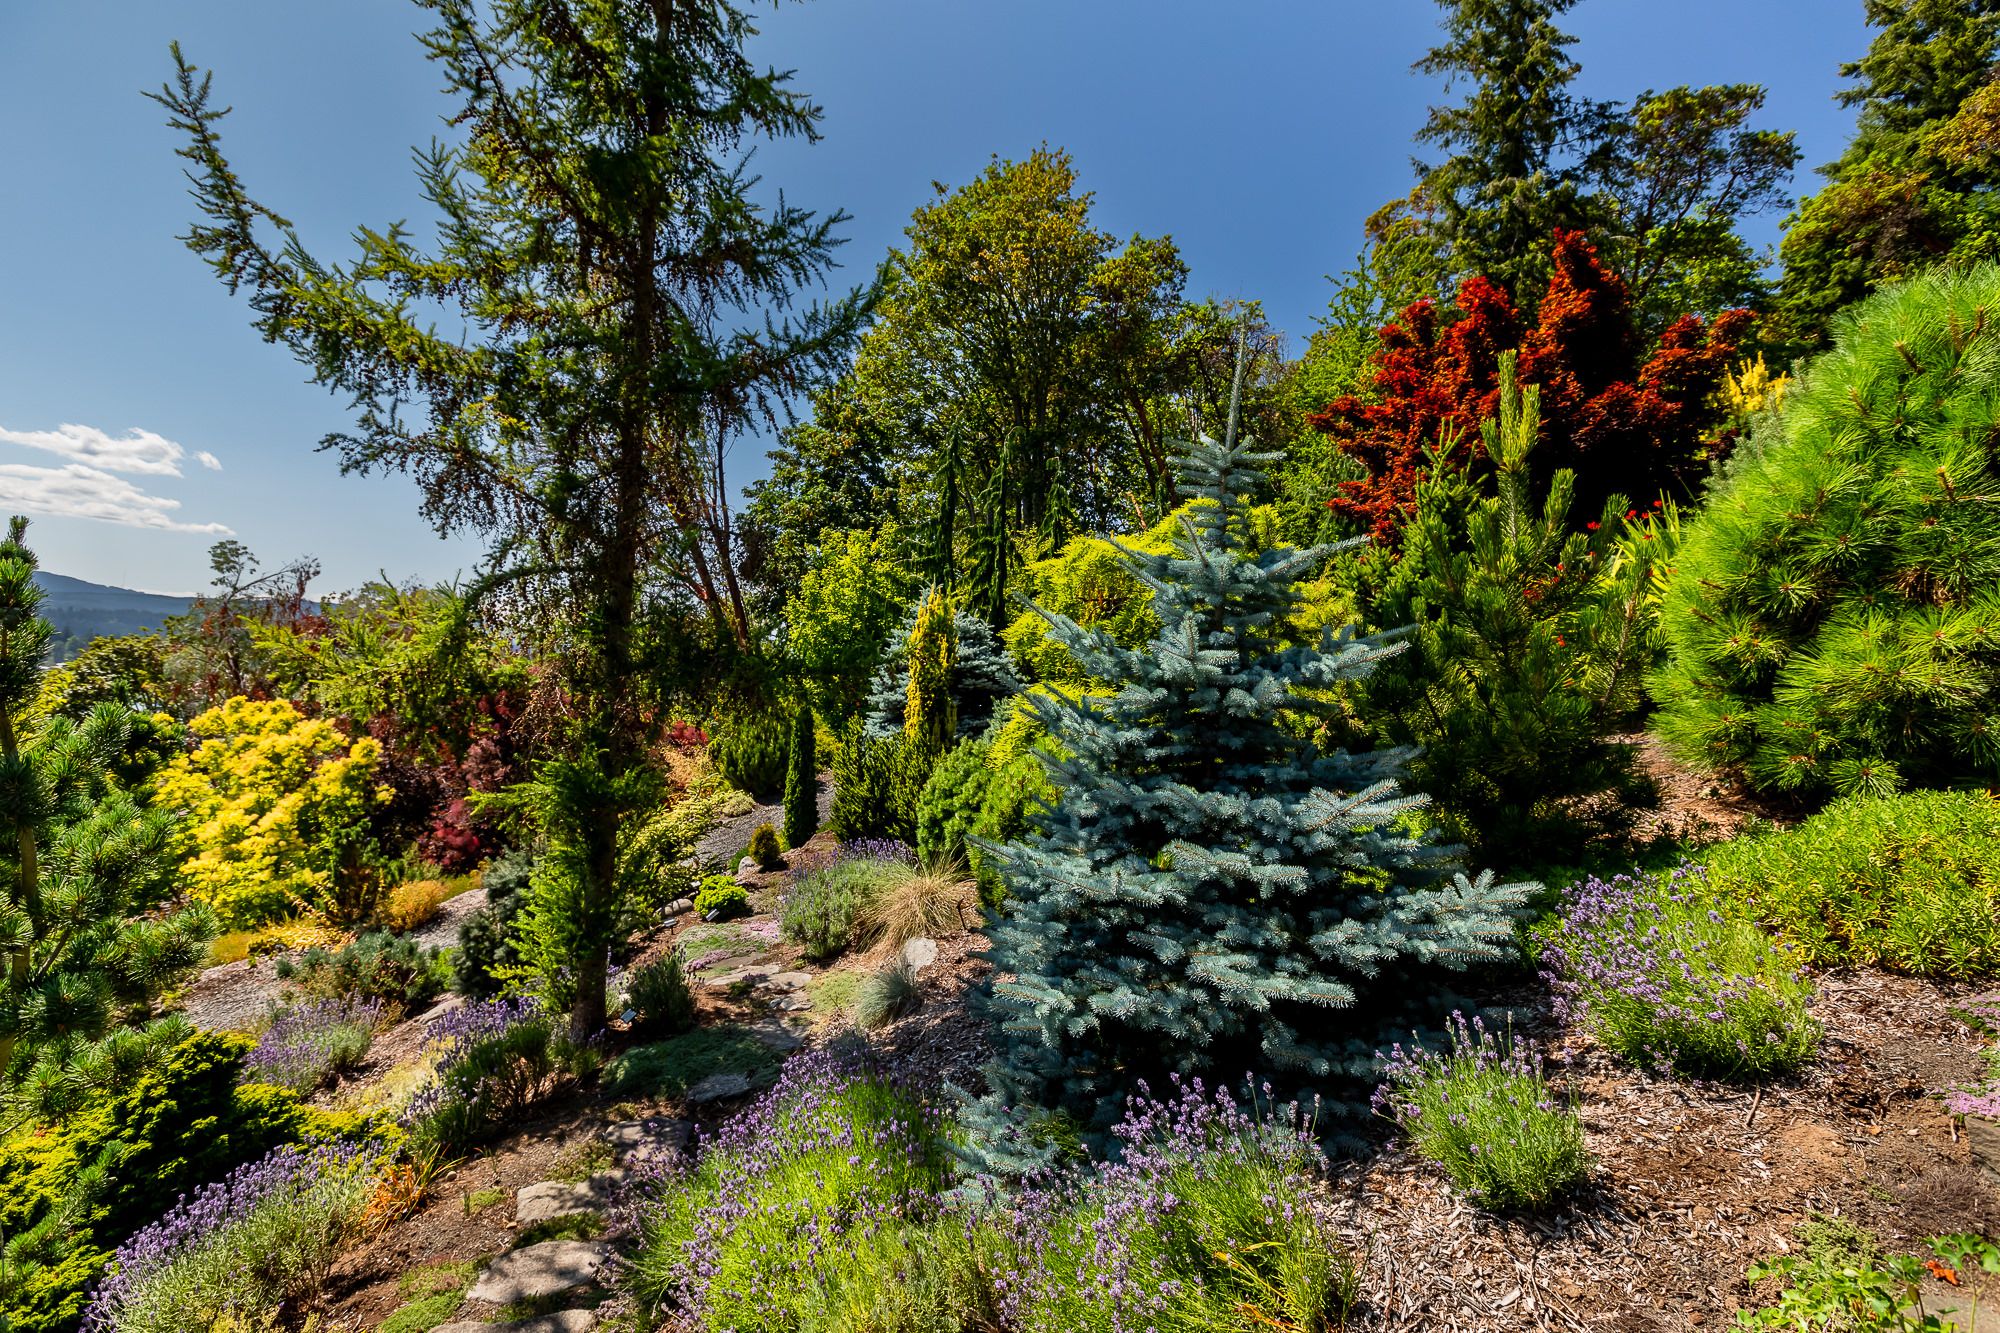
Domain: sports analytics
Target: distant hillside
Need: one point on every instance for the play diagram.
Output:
(81, 611)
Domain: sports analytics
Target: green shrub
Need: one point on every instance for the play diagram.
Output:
(1486, 1114)
(502, 1057)
(802, 780)
(376, 966)
(670, 1068)
(660, 995)
(751, 752)
(1905, 882)
(878, 785)
(887, 993)
(1667, 980)
(69, 1191)
(1833, 617)
(951, 801)
(488, 942)
(765, 849)
(721, 898)
(826, 910)
(1838, 1278)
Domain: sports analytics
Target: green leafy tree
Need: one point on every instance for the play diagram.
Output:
(844, 615)
(1916, 185)
(802, 781)
(1526, 645)
(1833, 616)
(83, 872)
(627, 308)
(1209, 892)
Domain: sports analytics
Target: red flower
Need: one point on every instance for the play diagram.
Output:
(1592, 526)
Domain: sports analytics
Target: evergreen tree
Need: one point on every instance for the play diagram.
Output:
(1209, 892)
(1504, 185)
(1833, 616)
(930, 714)
(981, 676)
(802, 781)
(83, 872)
(621, 306)
(1526, 648)
(1918, 183)
(992, 558)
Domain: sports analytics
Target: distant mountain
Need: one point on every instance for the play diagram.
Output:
(81, 611)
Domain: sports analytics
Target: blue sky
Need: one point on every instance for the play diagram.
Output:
(141, 418)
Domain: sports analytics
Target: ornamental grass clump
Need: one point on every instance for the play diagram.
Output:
(828, 910)
(309, 1045)
(796, 1212)
(1486, 1113)
(1204, 1221)
(264, 1237)
(1665, 979)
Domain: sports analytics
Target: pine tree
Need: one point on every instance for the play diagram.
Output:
(1833, 617)
(802, 782)
(1503, 188)
(1525, 648)
(83, 873)
(1210, 893)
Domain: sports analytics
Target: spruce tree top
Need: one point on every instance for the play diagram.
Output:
(1211, 893)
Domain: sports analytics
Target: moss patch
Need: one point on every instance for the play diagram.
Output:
(670, 1068)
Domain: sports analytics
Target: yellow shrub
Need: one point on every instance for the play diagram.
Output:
(415, 904)
(272, 806)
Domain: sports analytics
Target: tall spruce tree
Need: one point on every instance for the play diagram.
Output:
(1505, 184)
(84, 872)
(1209, 892)
(627, 307)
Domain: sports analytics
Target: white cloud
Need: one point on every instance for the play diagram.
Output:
(136, 450)
(77, 491)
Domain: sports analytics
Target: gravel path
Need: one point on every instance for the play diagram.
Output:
(724, 843)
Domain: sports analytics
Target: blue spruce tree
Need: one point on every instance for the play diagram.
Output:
(1210, 893)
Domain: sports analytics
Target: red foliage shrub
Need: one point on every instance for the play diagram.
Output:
(1624, 427)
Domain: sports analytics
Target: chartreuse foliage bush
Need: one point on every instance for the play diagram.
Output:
(1667, 980)
(723, 897)
(274, 811)
(1909, 882)
(1485, 1113)
(751, 750)
(1209, 887)
(1833, 618)
(828, 1206)
(72, 1190)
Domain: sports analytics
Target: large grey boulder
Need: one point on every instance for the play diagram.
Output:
(562, 1198)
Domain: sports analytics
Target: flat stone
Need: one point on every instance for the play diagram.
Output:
(787, 980)
(726, 980)
(920, 953)
(536, 1272)
(1983, 1137)
(561, 1198)
(717, 1088)
(658, 1139)
(758, 971)
(776, 1036)
(563, 1321)
(795, 1004)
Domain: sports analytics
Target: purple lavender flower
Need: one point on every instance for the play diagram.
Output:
(309, 1043)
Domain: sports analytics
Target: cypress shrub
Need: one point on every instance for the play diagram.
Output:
(802, 782)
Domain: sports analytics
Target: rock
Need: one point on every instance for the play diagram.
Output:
(566, 1321)
(776, 1036)
(920, 953)
(680, 907)
(787, 980)
(717, 1088)
(796, 1004)
(656, 1140)
(758, 971)
(552, 1268)
(726, 980)
(561, 1198)
(1983, 1137)
(746, 871)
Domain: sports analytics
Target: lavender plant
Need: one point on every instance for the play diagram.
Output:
(308, 1045)
(494, 1058)
(264, 1236)
(1204, 1220)
(1486, 1113)
(776, 1226)
(827, 910)
(1666, 980)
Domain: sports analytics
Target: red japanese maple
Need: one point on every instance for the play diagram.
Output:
(1624, 426)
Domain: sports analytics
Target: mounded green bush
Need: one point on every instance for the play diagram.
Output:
(1833, 616)
(752, 752)
(723, 896)
(1908, 882)
(765, 850)
(376, 966)
(969, 801)
(488, 940)
(660, 995)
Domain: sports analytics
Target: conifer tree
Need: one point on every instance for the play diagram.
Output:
(930, 714)
(82, 871)
(802, 781)
(1210, 893)
(1833, 617)
(992, 557)
(981, 676)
